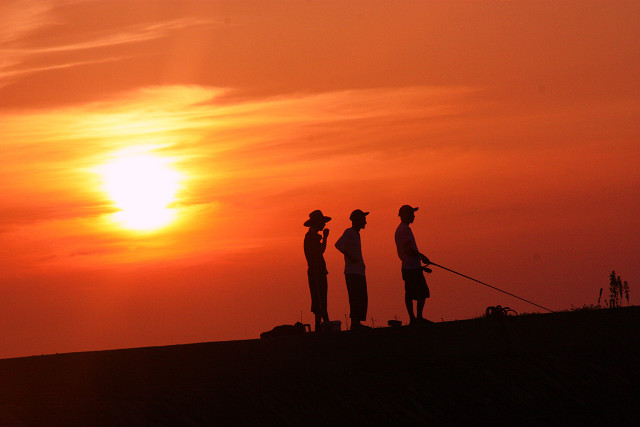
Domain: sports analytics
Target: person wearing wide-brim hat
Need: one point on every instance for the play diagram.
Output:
(354, 269)
(314, 247)
(415, 285)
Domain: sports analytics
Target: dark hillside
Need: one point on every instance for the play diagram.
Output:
(559, 368)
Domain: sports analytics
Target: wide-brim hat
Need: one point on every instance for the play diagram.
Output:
(406, 210)
(316, 217)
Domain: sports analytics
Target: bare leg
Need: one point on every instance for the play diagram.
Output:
(420, 307)
(409, 303)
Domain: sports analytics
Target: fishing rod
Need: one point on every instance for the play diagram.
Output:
(492, 287)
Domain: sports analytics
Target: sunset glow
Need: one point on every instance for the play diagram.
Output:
(142, 186)
(159, 159)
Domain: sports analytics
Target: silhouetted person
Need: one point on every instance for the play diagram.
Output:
(314, 247)
(354, 269)
(415, 285)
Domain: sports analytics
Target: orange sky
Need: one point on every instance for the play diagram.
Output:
(513, 125)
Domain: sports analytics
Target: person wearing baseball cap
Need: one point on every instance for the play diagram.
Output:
(354, 269)
(415, 285)
(314, 247)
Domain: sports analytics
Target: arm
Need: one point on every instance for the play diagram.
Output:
(345, 245)
(346, 251)
(410, 249)
(323, 241)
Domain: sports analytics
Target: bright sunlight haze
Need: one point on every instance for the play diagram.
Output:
(142, 186)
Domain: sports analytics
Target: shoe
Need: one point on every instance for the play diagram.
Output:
(394, 323)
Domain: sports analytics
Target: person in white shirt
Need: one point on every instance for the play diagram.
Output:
(354, 269)
(415, 285)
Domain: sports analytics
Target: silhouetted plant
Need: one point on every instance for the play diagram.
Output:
(617, 289)
(599, 297)
(613, 289)
(625, 287)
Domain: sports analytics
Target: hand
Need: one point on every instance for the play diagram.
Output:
(425, 259)
(325, 232)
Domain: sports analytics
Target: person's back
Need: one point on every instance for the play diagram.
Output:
(406, 247)
(314, 252)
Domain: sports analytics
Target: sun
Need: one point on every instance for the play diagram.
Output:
(142, 186)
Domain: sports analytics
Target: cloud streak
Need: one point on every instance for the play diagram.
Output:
(244, 158)
(229, 151)
(135, 34)
(18, 48)
(21, 18)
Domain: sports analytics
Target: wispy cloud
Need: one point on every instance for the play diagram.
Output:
(134, 34)
(265, 158)
(228, 151)
(30, 70)
(22, 19)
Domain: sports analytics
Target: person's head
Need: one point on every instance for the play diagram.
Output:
(358, 219)
(407, 214)
(317, 220)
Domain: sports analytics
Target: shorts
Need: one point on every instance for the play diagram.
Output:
(358, 298)
(415, 285)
